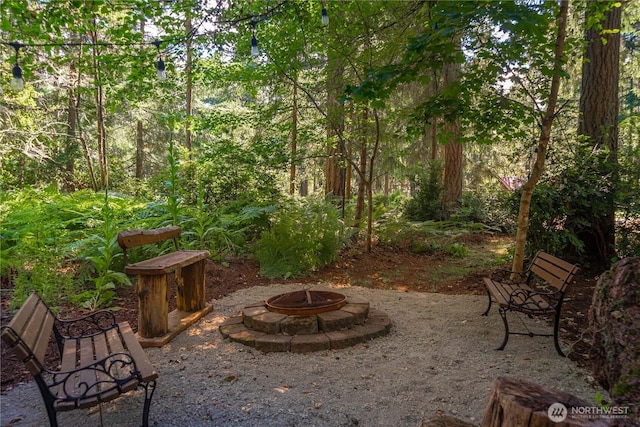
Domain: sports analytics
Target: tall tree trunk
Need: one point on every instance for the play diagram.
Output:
(71, 143)
(87, 155)
(102, 138)
(349, 171)
(294, 140)
(140, 127)
(452, 170)
(139, 149)
(543, 141)
(598, 120)
(334, 167)
(433, 137)
(452, 151)
(349, 167)
(369, 182)
(433, 126)
(362, 187)
(189, 84)
(387, 184)
(99, 99)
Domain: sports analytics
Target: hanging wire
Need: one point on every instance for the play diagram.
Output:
(172, 40)
(18, 81)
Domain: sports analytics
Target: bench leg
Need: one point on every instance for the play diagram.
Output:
(149, 389)
(556, 324)
(53, 418)
(503, 314)
(486, 312)
(48, 399)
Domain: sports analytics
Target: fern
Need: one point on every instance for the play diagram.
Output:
(302, 238)
(106, 281)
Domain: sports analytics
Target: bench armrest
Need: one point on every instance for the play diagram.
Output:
(86, 326)
(117, 371)
(526, 298)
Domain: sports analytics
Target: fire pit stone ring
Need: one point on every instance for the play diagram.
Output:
(305, 321)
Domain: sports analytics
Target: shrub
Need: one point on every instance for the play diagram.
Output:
(226, 229)
(458, 250)
(302, 238)
(427, 202)
(472, 209)
(106, 251)
(422, 246)
(45, 277)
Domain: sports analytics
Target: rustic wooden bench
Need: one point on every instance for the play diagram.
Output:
(156, 326)
(99, 359)
(523, 296)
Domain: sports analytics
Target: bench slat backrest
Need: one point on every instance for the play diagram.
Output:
(29, 332)
(555, 271)
(133, 238)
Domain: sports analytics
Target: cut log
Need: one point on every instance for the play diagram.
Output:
(153, 306)
(190, 293)
(515, 402)
(446, 421)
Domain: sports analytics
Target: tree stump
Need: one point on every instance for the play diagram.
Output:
(446, 421)
(515, 402)
(615, 324)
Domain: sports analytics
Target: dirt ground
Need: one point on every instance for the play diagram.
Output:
(387, 267)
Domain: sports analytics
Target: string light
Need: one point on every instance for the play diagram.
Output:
(254, 41)
(325, 17)
(254, 46)
(162, 73)
(17, 82)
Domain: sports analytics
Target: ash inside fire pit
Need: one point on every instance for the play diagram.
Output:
(306, 302)
(306, 321)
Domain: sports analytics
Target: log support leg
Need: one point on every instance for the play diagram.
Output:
(153, 305)
(190, 295)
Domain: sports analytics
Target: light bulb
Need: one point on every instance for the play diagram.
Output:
(325, 17)
(162, 73)
(254, 46)
(17, 82)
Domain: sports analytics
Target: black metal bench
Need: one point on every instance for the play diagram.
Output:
(523, 296)
(99, 359)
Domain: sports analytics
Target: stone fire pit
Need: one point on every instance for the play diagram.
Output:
(306, 321)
